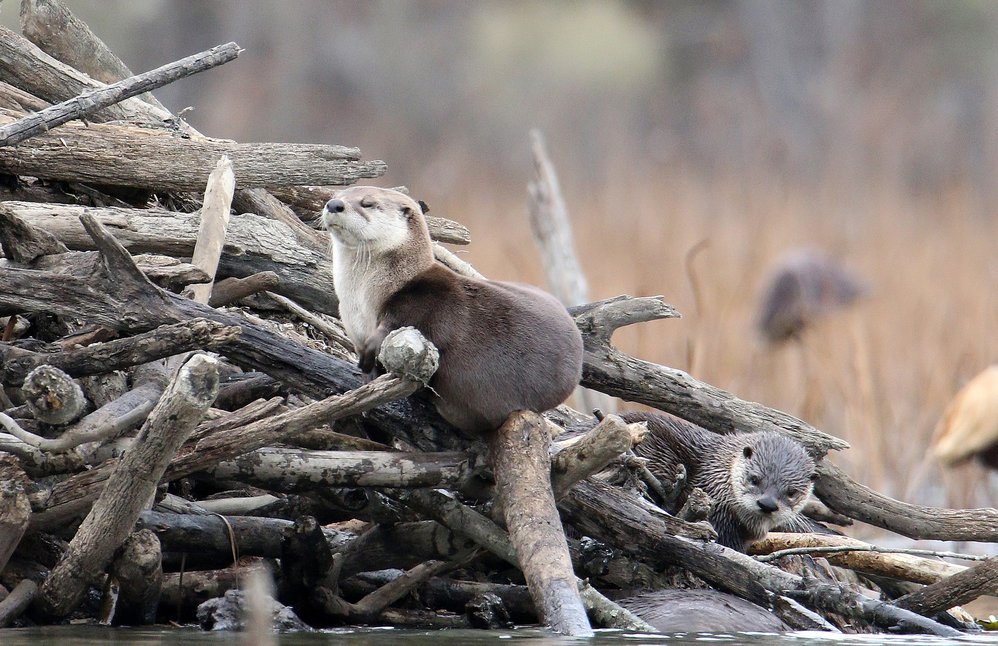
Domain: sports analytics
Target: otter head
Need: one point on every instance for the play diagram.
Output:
(772, 478)
(375, 221)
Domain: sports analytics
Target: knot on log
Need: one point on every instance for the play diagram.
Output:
(53, 396)
(407, 353)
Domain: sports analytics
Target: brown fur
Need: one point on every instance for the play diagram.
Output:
(503, 346)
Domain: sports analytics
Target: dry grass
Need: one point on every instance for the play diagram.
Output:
(878, 375)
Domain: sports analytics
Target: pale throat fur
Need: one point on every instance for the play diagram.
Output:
(379, 241)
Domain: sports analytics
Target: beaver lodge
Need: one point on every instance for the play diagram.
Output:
(182, 412)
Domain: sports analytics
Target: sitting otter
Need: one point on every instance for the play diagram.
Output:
(757, 481)
(503, 346)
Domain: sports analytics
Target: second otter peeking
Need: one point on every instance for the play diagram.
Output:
(503, 346)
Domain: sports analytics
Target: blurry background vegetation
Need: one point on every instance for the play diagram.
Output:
(868, 130)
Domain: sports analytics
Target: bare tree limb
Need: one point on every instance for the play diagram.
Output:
(93, 100)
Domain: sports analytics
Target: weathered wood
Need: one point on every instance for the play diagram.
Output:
(53, 396)
(27, 67)
(591, 452)
(955, 590)
(183, 592)
(897, 566)
(253, 244)
(611, 371)
(845, 496)
(552, 229)
(216, 536)
(523, 485)
(733, 571)
(21, 242)
(98, 98)
(287, 470)
(15, 510)
(229, 290)
(138, 571)
(17, 100)
(17, 602)
(162, 342)
(214, 222)
(165, 161)
(128, 301)
(465, 521)
(55, 30)
(130, 486)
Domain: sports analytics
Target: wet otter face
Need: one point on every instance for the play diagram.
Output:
(369, 218)
(772, 479)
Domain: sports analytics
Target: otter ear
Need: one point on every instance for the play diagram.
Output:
(747, 452)
(424, 207)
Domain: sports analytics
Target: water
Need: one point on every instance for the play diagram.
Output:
(87, 635)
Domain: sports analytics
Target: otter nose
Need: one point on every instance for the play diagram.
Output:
(336, 206)
(767, 504)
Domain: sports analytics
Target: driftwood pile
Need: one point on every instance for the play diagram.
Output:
(181, 410)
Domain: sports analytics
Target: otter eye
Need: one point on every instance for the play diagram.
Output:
(814, 477)
(368, 203)
(755, 481)
(407, 212)
(747, 452)
(792, 492)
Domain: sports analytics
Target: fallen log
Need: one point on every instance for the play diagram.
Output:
(960, 588)
(130, 487)
(611, 371)
(522, 471)
(289, 470)
(164, 161)
(98, 98)
(162, 342)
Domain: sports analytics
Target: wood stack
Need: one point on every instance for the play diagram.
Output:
(164, 478)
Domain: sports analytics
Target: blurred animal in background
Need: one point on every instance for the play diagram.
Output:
(969, 426)
(803, 286)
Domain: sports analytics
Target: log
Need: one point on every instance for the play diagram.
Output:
(53, 396)
(219, 536)
(15, 510)
(552, 229)
(845, 496)
(590, 453)
(27, 67)
(522, 471)
(23, 243)
(218, 441)
(229, 290)
(93, 100)
(17, 602)
(732, 571)
(55, 30)
(130, 486)
(127, 155)
(214, 222)
(957, 589)
(162, 342)
(254, 244)
(138, 571)
(122, 298)
(897, 566)
(183, 592)
(288, 470)
(404, 545)
(611, 371)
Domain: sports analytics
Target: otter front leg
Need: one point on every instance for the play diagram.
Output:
(368, 352)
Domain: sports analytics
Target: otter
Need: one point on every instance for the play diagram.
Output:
(758, 481)
(503, 346)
